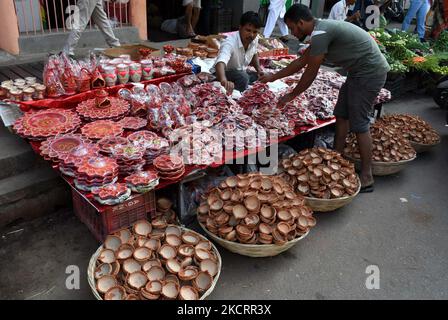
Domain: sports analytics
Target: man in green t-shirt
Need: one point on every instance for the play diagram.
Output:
(350, 47)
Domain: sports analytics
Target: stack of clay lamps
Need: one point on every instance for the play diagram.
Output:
(164, 210)
(321, 173)
(255, 209)
(152, 261)
(389, 145)
(416, 130)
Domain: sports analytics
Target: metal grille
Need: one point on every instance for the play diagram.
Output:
(49, 16)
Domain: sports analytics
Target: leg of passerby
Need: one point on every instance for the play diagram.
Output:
(412, 12)
(189, 16)
(80, 22)
(274, 13)
(99, 17)
(196, 13)
(283, 29)
(421, 19)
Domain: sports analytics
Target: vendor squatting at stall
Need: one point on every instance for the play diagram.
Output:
(350, 47)
(238, 51)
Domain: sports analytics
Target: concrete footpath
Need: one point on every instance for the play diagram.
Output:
(402, 228)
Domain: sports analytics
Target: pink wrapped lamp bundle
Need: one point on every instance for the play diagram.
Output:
(198, 143)
(273, 119)
(212, 104)
(258, 96)
(297, 111)
(384, 96)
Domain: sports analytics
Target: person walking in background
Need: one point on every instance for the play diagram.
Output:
(90, 9)
(419, 9)
(340, 11)
(192, 11)
(277, 9)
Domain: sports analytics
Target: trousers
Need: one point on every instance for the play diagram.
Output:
(90, 9)
(241, 78)
(419, 9)
(277, 11)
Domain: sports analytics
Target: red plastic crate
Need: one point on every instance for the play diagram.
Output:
(274, 53)
(115, 217)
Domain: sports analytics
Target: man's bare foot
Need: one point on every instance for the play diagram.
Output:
(366, 181)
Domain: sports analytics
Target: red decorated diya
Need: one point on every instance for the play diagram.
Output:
(133, 123)
(107, 144)
(169, 167)
(60, 145)
(128, 152)
(68, 161)
(103, 107)
(168, 163)
(112, 194)
(46, 123)
(142, 138)
(111, 191)
(142, 178)
(99, 167)
(101, 128)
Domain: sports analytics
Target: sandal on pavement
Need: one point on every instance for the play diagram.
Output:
(367, 189)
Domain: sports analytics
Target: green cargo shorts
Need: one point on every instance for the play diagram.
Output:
(356, 98)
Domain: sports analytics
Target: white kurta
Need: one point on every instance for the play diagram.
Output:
(233, 54)
(277, 10)
(340, 10)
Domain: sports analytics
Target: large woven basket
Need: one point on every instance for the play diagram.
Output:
(326, 205)
(420, 147)
(253, 250)
(383, 168)
(93, 259)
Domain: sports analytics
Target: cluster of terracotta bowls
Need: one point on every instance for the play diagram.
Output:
(153, 260)
(320, 173)
(389, 145)
(164, 210)
(255, 209)
(413, 128)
